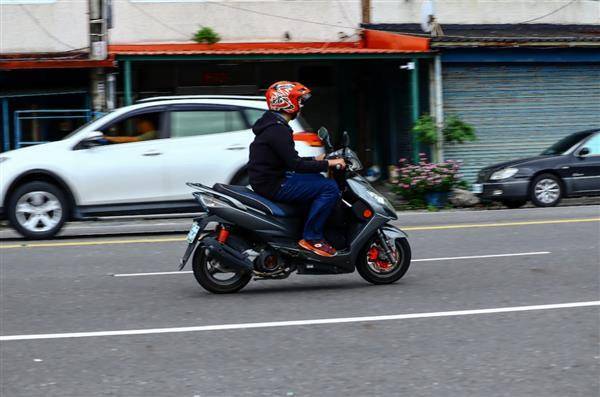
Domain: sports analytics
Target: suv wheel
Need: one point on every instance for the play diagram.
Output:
(546, 190)
(37, 210)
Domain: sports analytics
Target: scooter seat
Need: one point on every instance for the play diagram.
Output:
(255, 200)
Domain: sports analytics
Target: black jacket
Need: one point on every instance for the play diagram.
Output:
(272, 154)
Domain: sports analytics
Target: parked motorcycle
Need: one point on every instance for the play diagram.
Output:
(241, 235)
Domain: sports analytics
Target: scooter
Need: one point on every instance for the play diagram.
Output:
(241, 235)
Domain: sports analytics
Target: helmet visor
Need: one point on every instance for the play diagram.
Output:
(303, 99)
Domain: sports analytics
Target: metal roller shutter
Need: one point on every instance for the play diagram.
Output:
(518, 110)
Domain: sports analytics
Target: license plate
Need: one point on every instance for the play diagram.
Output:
(191, 237)
(477, 188)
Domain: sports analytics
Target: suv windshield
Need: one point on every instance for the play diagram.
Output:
(566, 143)
(102, 115)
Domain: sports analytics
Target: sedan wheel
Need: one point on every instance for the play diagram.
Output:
(546, 191)
(37, 210)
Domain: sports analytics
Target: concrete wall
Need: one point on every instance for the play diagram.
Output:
(28, 26)
(172, 20)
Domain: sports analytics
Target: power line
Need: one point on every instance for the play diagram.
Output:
(550, 13)
(281, 16)
(343, 9)
(43, 28)
(158, 20)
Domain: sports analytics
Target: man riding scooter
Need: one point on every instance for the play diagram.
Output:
(278, 173)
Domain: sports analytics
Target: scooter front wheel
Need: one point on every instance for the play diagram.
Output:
(214, 277)
(376, 268)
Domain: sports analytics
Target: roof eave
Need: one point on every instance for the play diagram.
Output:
(58, 64)
(503, 44)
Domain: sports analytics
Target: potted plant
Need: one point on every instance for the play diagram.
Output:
(454, 130)
(427, 182)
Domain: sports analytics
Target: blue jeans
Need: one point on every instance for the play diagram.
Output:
(321, 193)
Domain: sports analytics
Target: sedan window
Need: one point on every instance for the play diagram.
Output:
(594, 145)
(566, 143)
(202, 122)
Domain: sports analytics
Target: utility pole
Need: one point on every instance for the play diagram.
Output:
(366, 11)
(100, 20)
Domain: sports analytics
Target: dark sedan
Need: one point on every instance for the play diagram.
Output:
(569, 168)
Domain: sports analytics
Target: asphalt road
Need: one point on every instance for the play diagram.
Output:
(486, 325)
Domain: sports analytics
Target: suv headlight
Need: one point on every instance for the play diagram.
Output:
(504, 174)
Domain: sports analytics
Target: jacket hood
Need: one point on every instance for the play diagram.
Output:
(268, 119)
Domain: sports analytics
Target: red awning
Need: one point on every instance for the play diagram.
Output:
(53, 61)
(372, 42)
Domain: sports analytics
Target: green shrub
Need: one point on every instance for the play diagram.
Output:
(206, 35)
(457, 131)
(425, 130)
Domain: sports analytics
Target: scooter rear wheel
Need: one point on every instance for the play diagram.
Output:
(211, 276)
(377, 271)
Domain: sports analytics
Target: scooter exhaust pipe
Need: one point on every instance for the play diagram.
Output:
(227, 255)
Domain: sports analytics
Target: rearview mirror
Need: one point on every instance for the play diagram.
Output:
(323, 133)
(345, 139)
(583, 152)
(91, 139)
(324, 136)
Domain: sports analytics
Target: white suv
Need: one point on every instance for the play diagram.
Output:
(134, 160)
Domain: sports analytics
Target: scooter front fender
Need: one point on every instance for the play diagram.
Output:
(393, 233)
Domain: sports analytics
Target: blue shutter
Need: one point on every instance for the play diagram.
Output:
(518, 110)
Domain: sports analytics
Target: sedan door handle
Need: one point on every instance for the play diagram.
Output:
(152, 153)
(237, 147)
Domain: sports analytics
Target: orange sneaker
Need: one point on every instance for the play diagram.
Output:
(319, 247)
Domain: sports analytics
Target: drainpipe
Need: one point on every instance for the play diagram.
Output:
(414, 96)
(127, 82)
(439, 107)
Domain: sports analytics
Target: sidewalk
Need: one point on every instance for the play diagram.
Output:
(567, 202)
(177, 225)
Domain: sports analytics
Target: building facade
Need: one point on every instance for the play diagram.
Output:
(44, 67)
(523, 87)
(62, 25)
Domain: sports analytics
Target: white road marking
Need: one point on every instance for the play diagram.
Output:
(295, 323)
(149, 274)
(130, 226)
(482, 256)
(414, 260)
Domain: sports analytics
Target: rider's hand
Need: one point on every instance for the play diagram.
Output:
(333, 163)
(320, 157)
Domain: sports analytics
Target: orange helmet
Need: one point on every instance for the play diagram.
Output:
(287, 96)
